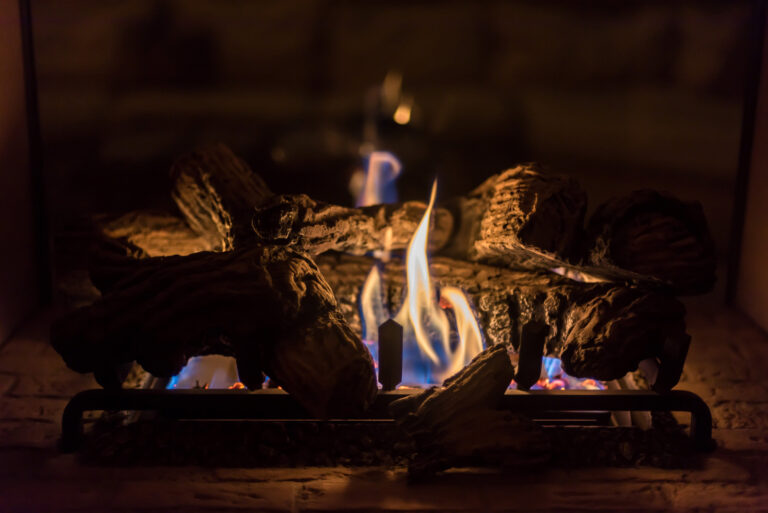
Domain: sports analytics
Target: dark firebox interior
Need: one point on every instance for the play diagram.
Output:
(620, 95)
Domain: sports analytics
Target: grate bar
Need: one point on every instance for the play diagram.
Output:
(273, 404)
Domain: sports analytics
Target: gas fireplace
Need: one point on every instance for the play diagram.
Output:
(431, 235)
(473, 323)
(325, 255)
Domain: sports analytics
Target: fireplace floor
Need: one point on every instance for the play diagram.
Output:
(726, 367)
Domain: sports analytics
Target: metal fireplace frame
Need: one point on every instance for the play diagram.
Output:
(276, 405)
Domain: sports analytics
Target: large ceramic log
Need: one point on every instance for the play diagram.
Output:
(216, 192)
(461, 422)
(521, 218)
(152, 233)
(268, 307)
(657, 235)
(613, 332)
(299, 221)
(540, 310)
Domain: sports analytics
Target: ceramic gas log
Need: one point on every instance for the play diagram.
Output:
(269, 307)
(462, 421)
(509, 235)
(599, 330)
(221, 198)
(521, 218)
(657, 235)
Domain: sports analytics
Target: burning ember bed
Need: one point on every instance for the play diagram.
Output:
(490, 322)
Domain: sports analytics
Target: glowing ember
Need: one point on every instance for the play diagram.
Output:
(554, 378)
(430, 352)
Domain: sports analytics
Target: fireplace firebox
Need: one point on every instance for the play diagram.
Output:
(476, 245)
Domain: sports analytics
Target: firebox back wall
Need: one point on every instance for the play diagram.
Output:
(622, 95)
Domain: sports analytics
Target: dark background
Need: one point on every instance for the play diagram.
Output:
(620, 94)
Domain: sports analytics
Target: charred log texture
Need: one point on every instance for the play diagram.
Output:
(315, 227)
(656, 235)
(143, 234)
(294, 221)
(461, 422)
(270, 308)
(521, 218)
(226, 205)
(612, 333)
(526, 310)
(216, 193)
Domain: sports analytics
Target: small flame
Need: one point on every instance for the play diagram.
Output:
(379, 184)
(470, 338)
(402, 115)
(372, 305)
(553, 377)
(430, 353)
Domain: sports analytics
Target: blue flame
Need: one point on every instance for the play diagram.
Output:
(211, 371)
(553, 377)
(379, 187)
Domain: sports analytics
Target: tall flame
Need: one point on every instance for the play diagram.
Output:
(420, 311)
(430, 352)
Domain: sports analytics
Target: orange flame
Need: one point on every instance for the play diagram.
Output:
(372, 305)
(425, 325)
(420, 313)
(470, 338)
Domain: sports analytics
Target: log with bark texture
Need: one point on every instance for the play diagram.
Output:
(541, 309)
(523, 218)
(655, 234)
(636, 324)
(519, 217)
(216, 193)
(300, 222)
(138, 235)
(528, 310)
(462, 423)
(151, 234)
(268, 307)
(222, 199)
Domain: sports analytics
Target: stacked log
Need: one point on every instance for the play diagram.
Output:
(269, 307)
(519, 217)
(243, 283)
(654, 234)
(300, 222)
(539, 314)
(461, 422)
(216, 192)
(143, 234)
